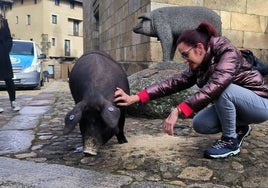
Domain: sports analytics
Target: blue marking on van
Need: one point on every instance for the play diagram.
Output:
(21, 60)
(26, 59)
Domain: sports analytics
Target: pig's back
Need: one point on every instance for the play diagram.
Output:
(96, 71)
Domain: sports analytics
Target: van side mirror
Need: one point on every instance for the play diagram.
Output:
(42, 56)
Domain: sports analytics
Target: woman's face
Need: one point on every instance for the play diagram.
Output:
(193, 55)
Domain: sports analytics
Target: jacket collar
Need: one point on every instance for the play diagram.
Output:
(207, 59)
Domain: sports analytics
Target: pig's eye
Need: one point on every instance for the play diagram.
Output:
(71, 118)
(111, 109)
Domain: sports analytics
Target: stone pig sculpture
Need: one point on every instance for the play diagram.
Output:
(92, 82)
(168, 23)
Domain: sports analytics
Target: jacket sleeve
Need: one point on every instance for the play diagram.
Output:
(143, 96)
(174, 84)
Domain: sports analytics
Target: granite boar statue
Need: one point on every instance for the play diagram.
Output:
(92, 82)
(168, 23)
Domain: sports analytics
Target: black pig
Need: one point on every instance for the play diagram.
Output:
(92, 82)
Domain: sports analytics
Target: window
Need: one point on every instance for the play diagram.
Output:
(28, 19)
(53, 42)
(50, 70)
(76, 28)
(57, 2)
(17, 20)
(21, 2)
(22, 48)
(72, 4)
(67, 47)
(54, 19)
(73, 27)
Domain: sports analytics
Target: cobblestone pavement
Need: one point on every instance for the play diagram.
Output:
(149, 154)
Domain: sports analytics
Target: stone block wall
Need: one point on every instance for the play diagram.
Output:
(244, 22)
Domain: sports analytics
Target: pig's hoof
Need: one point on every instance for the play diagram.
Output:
(90, 151)
(121, 139)
(91, 147)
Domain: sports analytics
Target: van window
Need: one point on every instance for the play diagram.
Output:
(22, 48)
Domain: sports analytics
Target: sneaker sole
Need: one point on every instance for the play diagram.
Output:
(232, 153)
(246, 135)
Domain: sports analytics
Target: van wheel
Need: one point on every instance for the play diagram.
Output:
(38, 87)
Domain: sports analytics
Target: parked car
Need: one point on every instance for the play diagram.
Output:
(26, 59)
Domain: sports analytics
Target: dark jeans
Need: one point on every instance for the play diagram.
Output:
(10, 89)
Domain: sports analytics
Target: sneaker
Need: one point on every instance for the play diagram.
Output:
(15, 106)
(223, 148)
(1, 110)
(242, 132)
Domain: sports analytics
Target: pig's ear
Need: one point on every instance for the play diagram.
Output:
(73, 117)
(145, 16)
(110, 114)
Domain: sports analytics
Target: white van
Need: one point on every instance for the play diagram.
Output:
(26, 59)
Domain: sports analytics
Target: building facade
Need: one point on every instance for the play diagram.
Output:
(108, 26)
(55, 25)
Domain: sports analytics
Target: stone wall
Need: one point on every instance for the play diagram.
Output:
(244, 22)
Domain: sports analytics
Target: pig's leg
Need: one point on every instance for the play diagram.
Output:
(164, 33)
(166, 44)
(90, 145)
(174, 47)
(120, 136)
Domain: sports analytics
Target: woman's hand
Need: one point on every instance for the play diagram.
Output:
(168, 125)
(123, 99)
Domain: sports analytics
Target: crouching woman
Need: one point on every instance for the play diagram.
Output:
(238, 94)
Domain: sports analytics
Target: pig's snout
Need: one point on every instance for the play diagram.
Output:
(137, 28)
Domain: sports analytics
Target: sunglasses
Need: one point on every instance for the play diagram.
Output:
(185, 55)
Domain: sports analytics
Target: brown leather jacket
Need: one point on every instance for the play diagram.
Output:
(222, 66)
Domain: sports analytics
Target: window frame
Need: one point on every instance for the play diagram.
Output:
(54, 19)
(28, 19)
